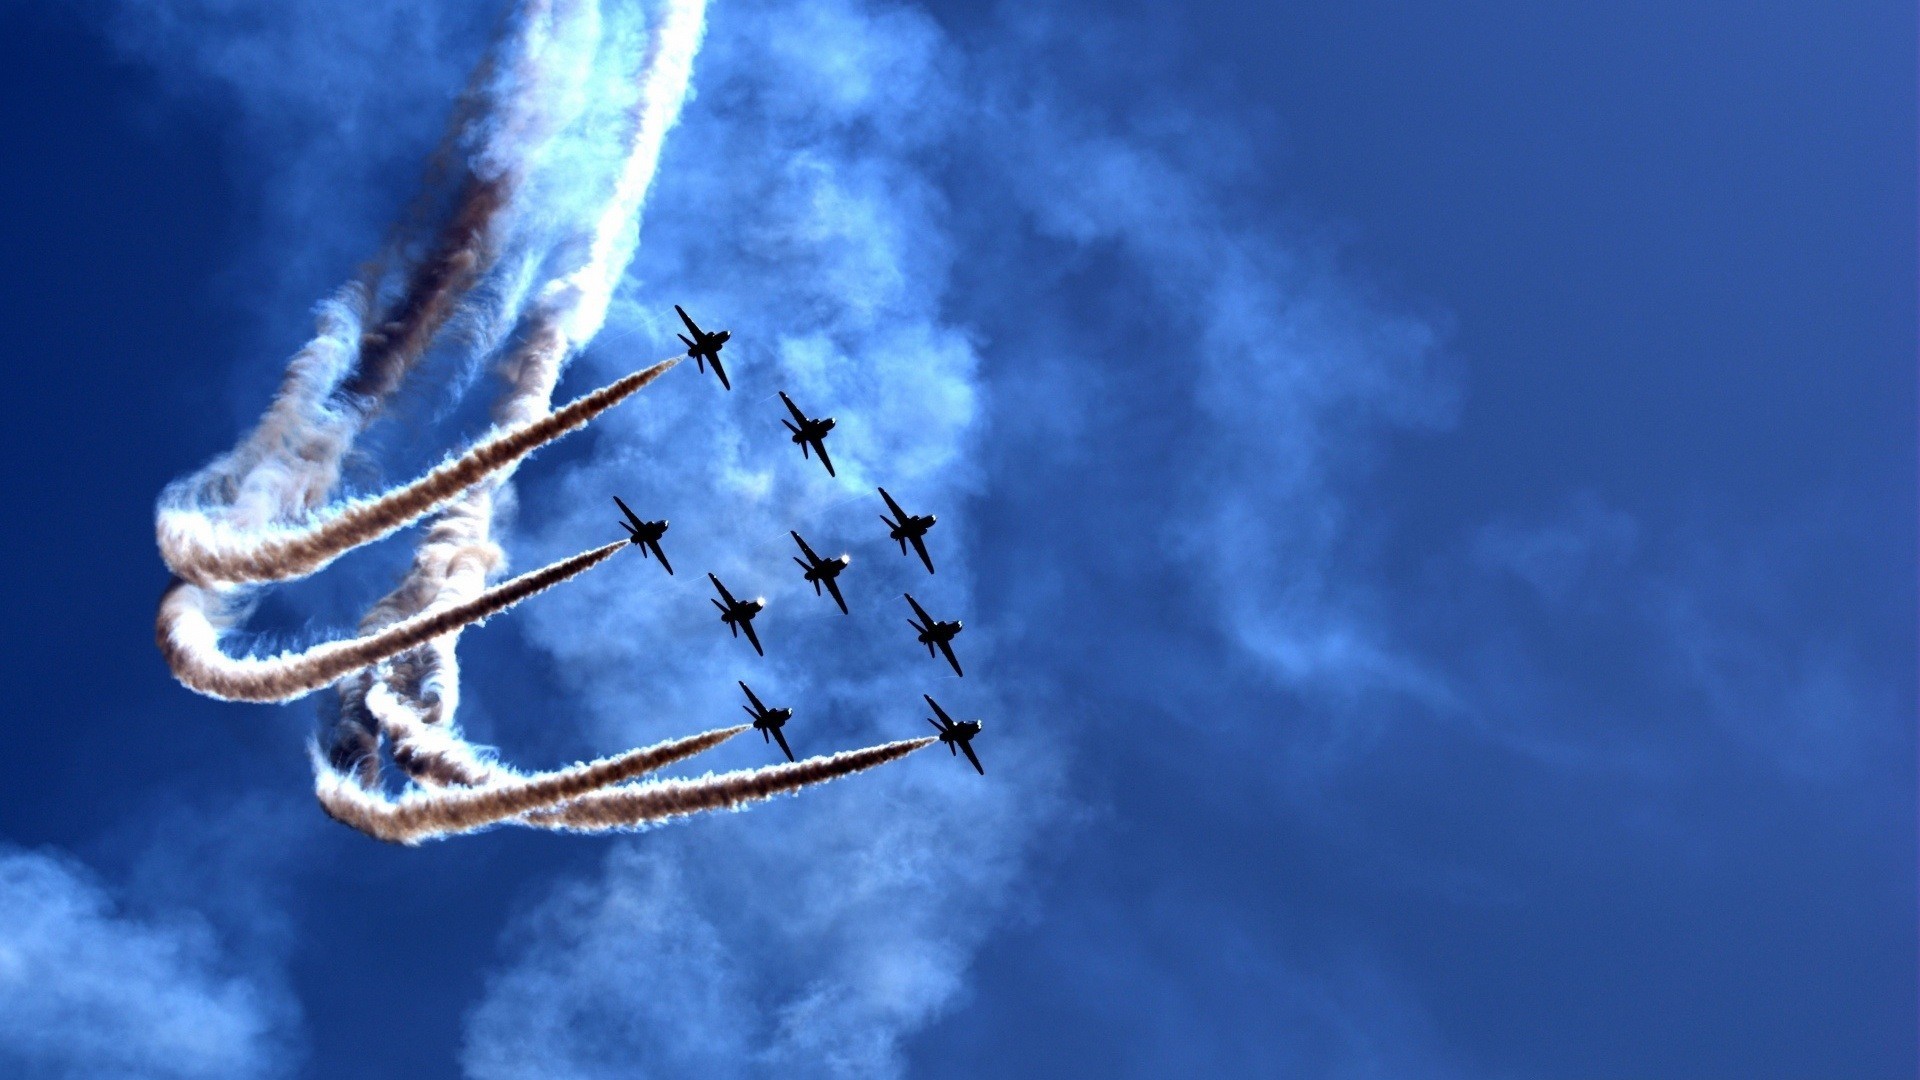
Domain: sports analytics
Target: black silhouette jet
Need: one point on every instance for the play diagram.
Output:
(738, 614)
(810, 431)
(935, 633)
(821, 571)
(704, 346)
(644, 534)
(957, 734)
(768, 721)
(910, 528)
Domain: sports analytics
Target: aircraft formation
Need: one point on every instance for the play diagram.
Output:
(737, 615)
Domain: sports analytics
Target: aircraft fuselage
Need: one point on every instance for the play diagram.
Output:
(939, 632)
(813, 429)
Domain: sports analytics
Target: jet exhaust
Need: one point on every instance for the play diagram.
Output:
(647, 804)
(265, 512)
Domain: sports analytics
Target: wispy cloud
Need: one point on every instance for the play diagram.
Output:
(87, 990)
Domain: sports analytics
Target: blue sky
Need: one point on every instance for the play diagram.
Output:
(1431, 492)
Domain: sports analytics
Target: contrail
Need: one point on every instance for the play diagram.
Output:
(204, 552)
(290, 463)
(501, 261)
(644, 804)
(419, 816)
(188, 632)
(411, 701)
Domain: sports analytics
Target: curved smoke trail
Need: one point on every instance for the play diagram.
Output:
(420, 815)
(647, 804)
(191, 621)
(260, 513)
(199, 550)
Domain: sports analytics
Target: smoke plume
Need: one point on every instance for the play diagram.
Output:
(557, 140)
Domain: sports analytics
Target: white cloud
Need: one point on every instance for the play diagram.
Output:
(87, 991)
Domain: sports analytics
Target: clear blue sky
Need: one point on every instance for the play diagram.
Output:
(1434, 496)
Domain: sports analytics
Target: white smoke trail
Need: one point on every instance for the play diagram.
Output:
(191, 620)
(205, 552)
(647, 804)
(260, 514)
(288, 466)
(423, 815)
(411, 703)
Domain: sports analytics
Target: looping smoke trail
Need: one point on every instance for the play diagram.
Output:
(204, 552)
(518, 103)
(190, 622)
(418, 816)
(646, 804)
(256, 516)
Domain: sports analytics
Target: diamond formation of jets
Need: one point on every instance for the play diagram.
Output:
(957, 734)
(808, 432)
(644, 535)
(935, 633)
(821, 572)
(738, 614)
(768, 722)
(908, 529)
(705, 347)
(810, 435)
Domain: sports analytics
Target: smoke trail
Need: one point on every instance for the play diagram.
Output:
(188, 632)
(645, 804)
(411, 702)
(256, 515)
(289, 464)
(420, 816)
(206, 552)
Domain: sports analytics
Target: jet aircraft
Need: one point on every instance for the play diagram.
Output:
(910, 528)
(957, 734)
(644, 534)
(821, 571)
(935, 633)
(809, 431)
(738, 614)
(768, 721)
(704, 346)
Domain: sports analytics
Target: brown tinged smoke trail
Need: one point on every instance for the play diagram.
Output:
(426, 815)
(516, 104)
(205, 552)
(260, 513)
(638, 805)
(188, 632)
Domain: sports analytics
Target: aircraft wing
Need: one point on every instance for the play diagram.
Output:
(893, 506)
(757, 707)
(747, 625)
(731, 602)
(798, 416)
(685, 318)
(821, 445)
(920, 548)
(718, 370)
(654, 546)
(834, 588)
(627, 510)
(945, 720)
(917, 609)
(788, 750)
(811, 557)
(967, 749)
(946, 648)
